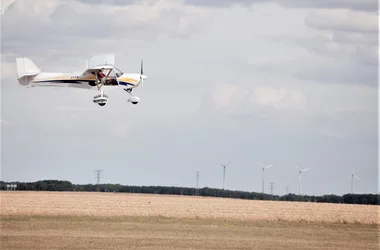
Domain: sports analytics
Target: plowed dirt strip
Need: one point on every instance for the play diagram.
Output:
(73, 220)
(34, 232)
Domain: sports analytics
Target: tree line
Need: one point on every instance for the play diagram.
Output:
(58, 185)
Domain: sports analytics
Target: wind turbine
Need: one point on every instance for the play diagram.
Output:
(299, 178)
(264, 169)
(224, 171)
(352, 180)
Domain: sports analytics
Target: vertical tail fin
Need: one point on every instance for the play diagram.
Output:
(26, 70)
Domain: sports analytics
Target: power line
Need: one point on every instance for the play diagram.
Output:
(197, 186)
(271, 187)
(98, 171)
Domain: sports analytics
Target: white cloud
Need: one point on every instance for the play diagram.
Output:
(265, 95)
(225, 94)
(355, 38)
(236, 100)
(353, 35)
(344, 20)
(344, 52)
(366, 5)
(133, 22)
(334, 109)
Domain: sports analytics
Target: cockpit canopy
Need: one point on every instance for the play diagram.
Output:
(115, 72)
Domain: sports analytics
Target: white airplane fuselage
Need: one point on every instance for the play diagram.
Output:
(76, 79)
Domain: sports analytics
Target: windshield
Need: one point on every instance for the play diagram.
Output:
(118, 72)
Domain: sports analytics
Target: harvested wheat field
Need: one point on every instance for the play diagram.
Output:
(81, 220)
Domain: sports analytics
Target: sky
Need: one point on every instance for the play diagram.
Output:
(283, 82)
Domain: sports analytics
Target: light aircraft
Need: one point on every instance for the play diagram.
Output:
(28, 74)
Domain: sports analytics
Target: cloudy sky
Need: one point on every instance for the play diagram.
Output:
(281, 82)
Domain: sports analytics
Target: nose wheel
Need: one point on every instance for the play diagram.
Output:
(133, 99)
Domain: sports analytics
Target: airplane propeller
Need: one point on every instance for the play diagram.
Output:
(142, 76)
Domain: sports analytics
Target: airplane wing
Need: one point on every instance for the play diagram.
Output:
(106, 61)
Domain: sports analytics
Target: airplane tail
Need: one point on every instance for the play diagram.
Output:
(26, 70)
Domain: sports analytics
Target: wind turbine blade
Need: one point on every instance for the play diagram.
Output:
(357, 177)
(303, 170)
(268, 166)
(229, 163)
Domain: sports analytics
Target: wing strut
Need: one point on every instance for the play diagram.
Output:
(100, 84)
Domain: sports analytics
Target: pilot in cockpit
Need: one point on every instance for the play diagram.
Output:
(101, 77)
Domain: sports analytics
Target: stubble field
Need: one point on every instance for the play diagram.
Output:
(81, 220)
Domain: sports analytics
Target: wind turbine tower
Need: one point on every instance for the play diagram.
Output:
(299, 178)
(224, 171)
(264, 169)
(353, 175)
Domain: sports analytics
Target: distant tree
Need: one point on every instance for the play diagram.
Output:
(58, 185)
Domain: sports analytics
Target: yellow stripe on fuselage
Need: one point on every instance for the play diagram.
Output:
(127, 79)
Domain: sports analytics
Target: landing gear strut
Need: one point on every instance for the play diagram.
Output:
(133, 99)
